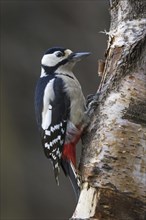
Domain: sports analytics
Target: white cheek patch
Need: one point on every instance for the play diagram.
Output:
(51, 59)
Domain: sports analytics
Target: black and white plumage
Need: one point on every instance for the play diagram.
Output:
(60, 109)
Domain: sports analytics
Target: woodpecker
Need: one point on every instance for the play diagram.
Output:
(60, 110)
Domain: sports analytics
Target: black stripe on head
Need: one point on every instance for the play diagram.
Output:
(53, 49)
(52, 69)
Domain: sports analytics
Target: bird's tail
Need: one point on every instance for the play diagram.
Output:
(68, 164)
(56, 167)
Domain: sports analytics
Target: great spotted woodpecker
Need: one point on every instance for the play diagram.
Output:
(60, 110)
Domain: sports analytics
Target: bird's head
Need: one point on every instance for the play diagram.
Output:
(57, 57)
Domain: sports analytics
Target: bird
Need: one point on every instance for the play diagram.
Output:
(60, 109)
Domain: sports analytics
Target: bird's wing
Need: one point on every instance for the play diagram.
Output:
(54, 121)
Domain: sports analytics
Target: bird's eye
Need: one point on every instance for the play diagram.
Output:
(59, 54)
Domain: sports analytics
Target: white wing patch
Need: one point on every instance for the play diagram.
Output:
(47, 107)
(47, 118)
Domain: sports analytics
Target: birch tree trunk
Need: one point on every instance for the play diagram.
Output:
(113, 163)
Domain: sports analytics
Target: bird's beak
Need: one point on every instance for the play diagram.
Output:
(75, 57)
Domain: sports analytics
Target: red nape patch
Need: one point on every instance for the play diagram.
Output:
(69, 152)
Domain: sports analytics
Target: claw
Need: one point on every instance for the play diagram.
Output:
(89, 99)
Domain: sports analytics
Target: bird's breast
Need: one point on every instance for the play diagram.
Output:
(77, 100)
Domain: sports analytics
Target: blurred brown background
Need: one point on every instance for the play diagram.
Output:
(28, 28)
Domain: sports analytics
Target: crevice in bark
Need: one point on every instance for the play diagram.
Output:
(136, 112)
(113, 204)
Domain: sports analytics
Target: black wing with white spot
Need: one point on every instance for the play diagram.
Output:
(53, 133)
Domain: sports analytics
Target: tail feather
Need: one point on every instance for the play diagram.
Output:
(74, 178)
(68, 164)
(56, 167)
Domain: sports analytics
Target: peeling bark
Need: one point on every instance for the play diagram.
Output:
(113, 163)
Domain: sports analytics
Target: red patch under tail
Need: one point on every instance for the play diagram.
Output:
(69, 153)
(69, 150)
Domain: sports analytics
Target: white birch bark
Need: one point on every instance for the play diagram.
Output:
(113, 163)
